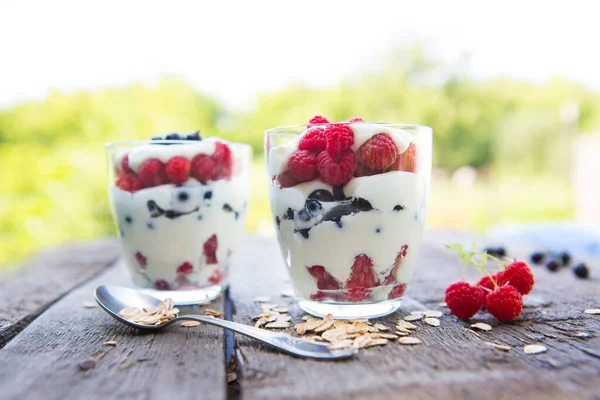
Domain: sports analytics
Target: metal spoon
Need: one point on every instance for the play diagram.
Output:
(115, 298)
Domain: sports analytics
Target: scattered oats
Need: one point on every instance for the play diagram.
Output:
(278, 325)
(404, 325)
(272, 317)
(359, 321)
(87, 365)
(343, 344)
(376, 342)
(402, 333)
(312, 323)
(163, 312)
(283, 318)
(261, 315)
(334, 335)
(534, 349)
(413, 317)
(280, 309)
(387, 336)
(583, 335)
(432, 321)
(409, 340)
(593, 311)
(326, 324)
(98, 355)
(262, 299)
(382, 327)
(474, 333)
(213, 313)
(90, 304)
(481, 326)
(360, 327)
(314, 338)
(267, 306)
(109, 343)
(433, 313)
(260, 322)
(287, 293)
(442, 304)
(498, 346)
(189, 324)
(361, 341)
(306, 317)
(231, 377)
(300, 328)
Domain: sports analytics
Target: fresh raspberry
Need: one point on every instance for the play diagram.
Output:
(210, 249)
(152, 172)
(486, 282)
(216, 277)
(355, 119)
(378, 153)
(223, 162)
(177, 169)
(286, 179)
(125, 164)
(162, 285)
(141, 260)
(362, 278)
(203, 167)
(313, 140)
(464, 300)
(318, 119)
(506, 303)
(519, 276)
(124, 182)
(391, 278)
(338, 138)
(336, 171)
(325, 281)
(397, 291)
(361, 170)
(185, 269)
(302, 165)
(406, 161)
(136, 182)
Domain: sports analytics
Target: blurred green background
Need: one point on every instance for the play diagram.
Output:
(515, 135)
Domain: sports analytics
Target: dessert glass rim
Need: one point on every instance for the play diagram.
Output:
(276, 130)
(163, 141)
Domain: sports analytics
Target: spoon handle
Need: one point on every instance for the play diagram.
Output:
(286, 343)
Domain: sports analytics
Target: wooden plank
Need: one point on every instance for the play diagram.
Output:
(452, 363)
(28, 290)
(177, 363)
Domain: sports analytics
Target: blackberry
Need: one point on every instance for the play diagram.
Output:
(322, 195)
(495, 251)
(581, 270)
(174, 136)
(566, 258)
(552, 265)
(537, 257)
(193, 136)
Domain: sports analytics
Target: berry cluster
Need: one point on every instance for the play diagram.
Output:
(500, 293)
(153, 172)
(359, 285)
(557, 261)
(325, 152)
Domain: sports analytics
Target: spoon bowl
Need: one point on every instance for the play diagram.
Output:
(113, 299)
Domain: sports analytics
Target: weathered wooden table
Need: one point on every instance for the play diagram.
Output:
(46, 332)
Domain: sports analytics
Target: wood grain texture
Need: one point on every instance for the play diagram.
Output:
(176, 363)
(452, 362)
(27, 291)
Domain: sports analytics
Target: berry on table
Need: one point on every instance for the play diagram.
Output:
(193, 136)
(313, 140)
(378, 153)
(177, 169)
(203, 167)
(486, 282)
(318, 119)
(464, 300)
(565, 257)
(302, 165)
(552, 265)
(505, 303)
(338, 138)
(174, 136)
(581, 270)
(336, 171)
(286, 179)
(519, 276)
(152, 172)
(537, 257)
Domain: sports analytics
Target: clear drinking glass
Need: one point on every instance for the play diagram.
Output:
(350, 247)
(180, 208)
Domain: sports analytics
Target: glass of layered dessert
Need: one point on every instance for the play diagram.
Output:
(180, 207)
(349, 201)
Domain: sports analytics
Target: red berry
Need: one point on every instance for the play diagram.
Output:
(223, 162)
(355, 119)
(406, 161)
(362, 278)
(519, 276)
(125, 164)
(136, 182)
(397, 291)
(152, 172)
(318, 119)
(203, 167)
(313, 139)
(177, 170)
(391, 278)
(216, 277)
(464, 300)
(378, 153)
(486, 282)
(124, 182)
(286, 179)
(336, 171)
(506, 303)
(210, 249)
(302, 165)
(338, 138)
(141, 260)
(161, 285)
(185, 269)
(325, 281)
